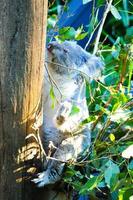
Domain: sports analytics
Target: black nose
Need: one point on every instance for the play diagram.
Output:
(50, 47)
(60, 119)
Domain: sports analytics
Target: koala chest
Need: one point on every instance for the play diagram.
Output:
(67, 87)
(63, 89)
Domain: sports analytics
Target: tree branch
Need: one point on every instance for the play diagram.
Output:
(101, 26)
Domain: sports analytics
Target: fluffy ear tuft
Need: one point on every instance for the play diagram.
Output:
(93, 67)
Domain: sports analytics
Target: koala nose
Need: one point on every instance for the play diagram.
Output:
(50, 47)
(60, 119)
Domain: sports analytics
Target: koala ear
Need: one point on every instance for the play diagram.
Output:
(93, 67)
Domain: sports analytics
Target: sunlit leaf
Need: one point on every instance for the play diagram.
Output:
(112, 137)
(67, 33)
(116, 106)
(120, 115)
(64, 30)
(125, 193)
(115, 12)
(52, 96)
(128, 152)
(74, 110)
(91, 118)
(51, 21)
(81, 36)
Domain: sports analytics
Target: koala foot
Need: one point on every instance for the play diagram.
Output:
(50, 176)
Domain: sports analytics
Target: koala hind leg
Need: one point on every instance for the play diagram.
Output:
(69, 149)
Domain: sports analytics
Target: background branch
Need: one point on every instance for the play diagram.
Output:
(101, 26)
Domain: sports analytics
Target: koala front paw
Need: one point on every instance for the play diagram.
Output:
(63, 113)
(41, 180)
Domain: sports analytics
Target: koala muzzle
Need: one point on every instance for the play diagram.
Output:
(50, 47)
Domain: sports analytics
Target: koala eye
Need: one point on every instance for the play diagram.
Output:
(84, 59)
(65, 50)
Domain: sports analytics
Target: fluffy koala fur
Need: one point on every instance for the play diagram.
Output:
(69, 65)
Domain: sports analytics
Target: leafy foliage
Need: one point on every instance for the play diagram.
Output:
(105, 170)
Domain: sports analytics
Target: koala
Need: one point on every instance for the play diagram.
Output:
(68, 68)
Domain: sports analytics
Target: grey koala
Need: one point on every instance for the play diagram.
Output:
(69, 65)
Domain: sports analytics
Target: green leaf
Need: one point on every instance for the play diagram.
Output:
(51, 21)
(116, 106)
(74, 110)
(115, 12)
(100, 108)
(102, 184)
(76, 185)
(100, 3)
(70, 172)
(64, 30)
(125, 193)
(130, 75)
(114, 195)
(52, 96)
(112, 137)
(91, 184)
(130, 165)
(129, 31)
(67, 33)
(125, 15)
(111, 170)
(86, 1)
(114, 182)
(91, 118)
(111, 78)
(81, 36)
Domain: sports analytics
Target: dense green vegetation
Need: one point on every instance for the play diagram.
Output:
(107, 171)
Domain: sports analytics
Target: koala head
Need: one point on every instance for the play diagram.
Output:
(70, 55)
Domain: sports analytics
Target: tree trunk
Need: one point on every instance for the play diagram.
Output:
(22, 41)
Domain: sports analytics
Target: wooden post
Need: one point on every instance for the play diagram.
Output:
(22, 43)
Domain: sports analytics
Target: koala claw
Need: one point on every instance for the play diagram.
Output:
(41, 180)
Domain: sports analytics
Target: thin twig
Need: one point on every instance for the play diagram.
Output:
(123, 72)
(69, 68)
(104, 40)
(100, 134)
(92, 35)
(53, 81)
(128, 104)
(125, 136)
(104, 50)
(52, 158)
(101, 26)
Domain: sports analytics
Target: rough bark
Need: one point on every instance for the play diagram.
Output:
(22, 41)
